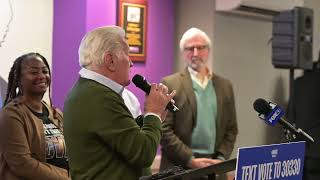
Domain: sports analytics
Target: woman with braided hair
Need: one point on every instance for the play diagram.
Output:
(31, 140)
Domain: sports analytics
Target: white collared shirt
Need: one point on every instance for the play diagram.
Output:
(202, 83)
(88, 74)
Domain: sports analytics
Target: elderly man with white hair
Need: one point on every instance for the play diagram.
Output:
(102, 137)
(204, 131)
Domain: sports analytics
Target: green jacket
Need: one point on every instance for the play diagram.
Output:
(102, 137)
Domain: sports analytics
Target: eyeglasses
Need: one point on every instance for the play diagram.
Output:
(199, 48)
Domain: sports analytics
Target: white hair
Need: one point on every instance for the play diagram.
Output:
(191, 33)
(97, 42)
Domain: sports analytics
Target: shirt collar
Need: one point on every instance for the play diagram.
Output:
(194, 73)
(88, 74)
(202, 83)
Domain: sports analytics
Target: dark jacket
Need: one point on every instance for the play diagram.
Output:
(178, 127)
(305, 109)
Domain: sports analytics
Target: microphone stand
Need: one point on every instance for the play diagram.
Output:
(289, 137)
(298, 134)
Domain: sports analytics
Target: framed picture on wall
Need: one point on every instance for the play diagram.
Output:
(132, 16)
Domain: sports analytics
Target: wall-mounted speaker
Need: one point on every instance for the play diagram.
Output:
(292, 38)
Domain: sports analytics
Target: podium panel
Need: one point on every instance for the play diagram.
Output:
(189, 174)
(277, 161)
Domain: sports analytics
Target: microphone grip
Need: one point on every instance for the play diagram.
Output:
(172, 107)
(306, 135)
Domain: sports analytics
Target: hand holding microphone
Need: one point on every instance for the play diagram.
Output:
(158, 98)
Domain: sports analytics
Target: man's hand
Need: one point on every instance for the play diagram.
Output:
(202, 162)
(158, 99)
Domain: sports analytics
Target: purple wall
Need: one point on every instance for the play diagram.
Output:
(69, 25)
(100, 13)
(160, 42)
(73, 18)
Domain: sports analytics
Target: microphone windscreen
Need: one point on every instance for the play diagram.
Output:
(141, 83)
(261, 106)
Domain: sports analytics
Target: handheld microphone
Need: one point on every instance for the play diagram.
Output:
(271, 113)
(145, 86)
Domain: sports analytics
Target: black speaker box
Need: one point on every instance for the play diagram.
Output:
(292, 37)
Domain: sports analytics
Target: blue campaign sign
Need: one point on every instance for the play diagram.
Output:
(277, 161)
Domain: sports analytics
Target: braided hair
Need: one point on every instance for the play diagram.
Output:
(13, 89)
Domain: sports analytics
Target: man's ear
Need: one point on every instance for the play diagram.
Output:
(109, 60)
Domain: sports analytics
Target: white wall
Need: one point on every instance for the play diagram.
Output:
(192, 13)
(242, 54)
(30, 30)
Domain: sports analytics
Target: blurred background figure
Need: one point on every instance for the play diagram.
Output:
(304, 108)
(3, 90)
(204, 131)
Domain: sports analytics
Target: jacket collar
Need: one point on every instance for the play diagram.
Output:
(188, 88)
(19, 101)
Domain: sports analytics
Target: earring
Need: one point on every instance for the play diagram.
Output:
(19, 91)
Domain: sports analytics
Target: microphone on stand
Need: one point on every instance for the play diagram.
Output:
(271, 113)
